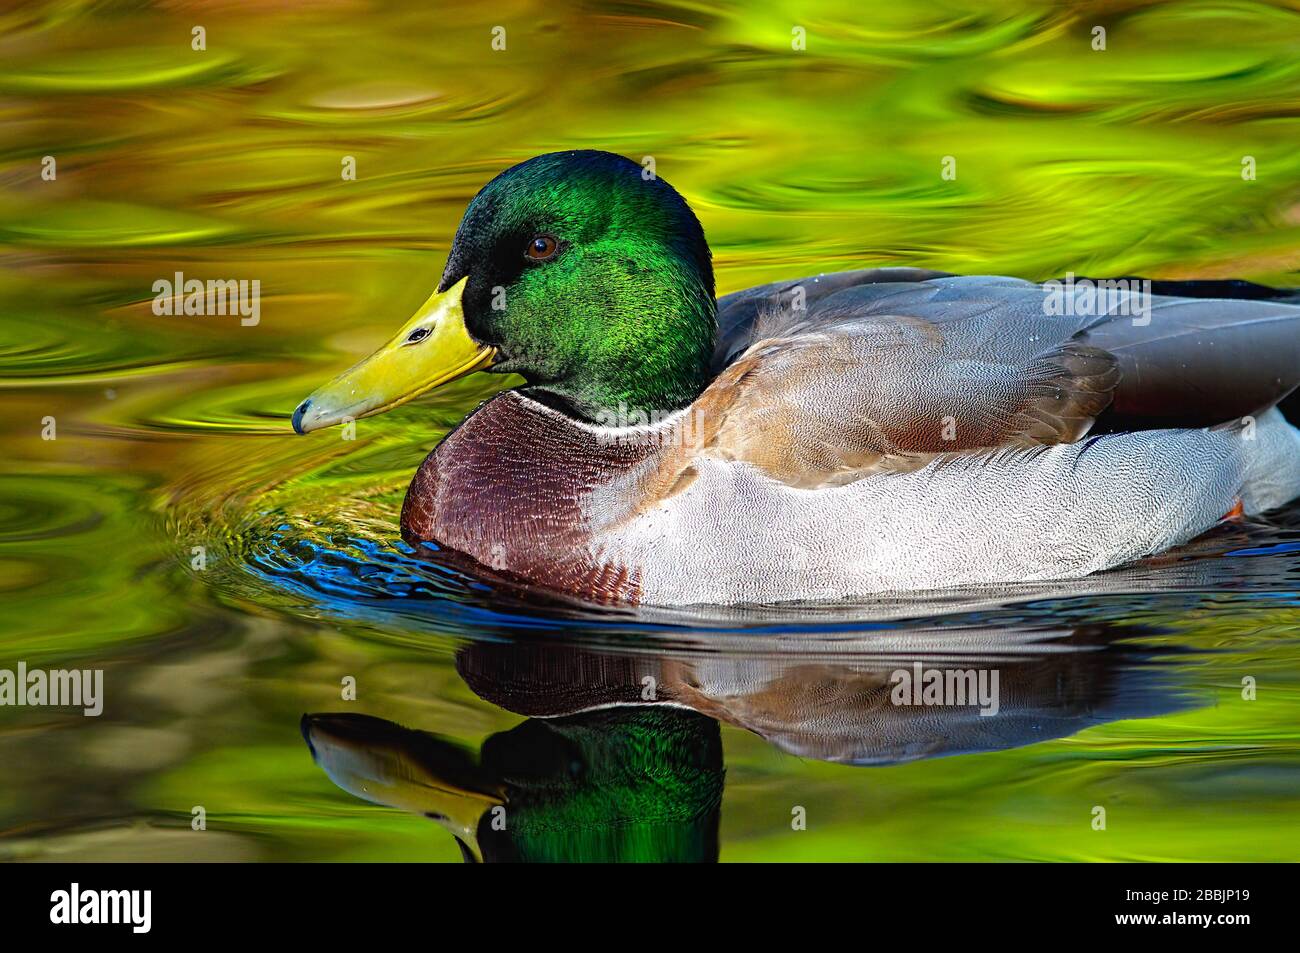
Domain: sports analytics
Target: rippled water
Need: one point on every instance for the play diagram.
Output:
(1122, 691)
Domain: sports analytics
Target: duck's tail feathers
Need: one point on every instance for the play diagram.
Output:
(1214, 288)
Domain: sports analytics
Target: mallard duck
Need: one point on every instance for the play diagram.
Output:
(817, 439)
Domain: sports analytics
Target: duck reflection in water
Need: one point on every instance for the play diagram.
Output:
(621, 756)
(621, 784)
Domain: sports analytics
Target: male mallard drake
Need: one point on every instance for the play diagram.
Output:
(835, 436)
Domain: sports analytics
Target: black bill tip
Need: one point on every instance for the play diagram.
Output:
(298, 415)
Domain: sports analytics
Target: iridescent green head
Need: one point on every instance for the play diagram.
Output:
(581, 272)
(592, 280)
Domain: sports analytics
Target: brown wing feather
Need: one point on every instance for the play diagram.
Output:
(883, 370)
(833, 404)
(1207, 352)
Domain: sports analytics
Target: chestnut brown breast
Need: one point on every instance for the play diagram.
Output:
(506, 487)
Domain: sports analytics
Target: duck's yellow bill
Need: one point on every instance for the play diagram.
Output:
(431, 349)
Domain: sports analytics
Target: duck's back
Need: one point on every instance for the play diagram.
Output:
(1186, 354)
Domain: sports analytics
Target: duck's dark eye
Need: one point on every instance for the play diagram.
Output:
(419, 334)
(541, 248)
